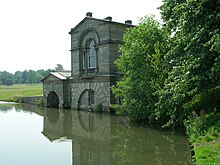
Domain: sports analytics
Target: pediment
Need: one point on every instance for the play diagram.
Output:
(87, 22)
(56, 76)
(51, 78)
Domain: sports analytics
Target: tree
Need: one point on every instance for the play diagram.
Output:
(143, 68)
(24, 77)
(194, 54)
(166, 78)
(59, 68)
(6, 78)
(17, 77)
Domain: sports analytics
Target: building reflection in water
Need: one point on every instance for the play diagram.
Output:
(99, 139)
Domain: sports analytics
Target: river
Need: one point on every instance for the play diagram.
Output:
(39, 136)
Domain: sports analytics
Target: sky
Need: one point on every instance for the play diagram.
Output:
(34, 33)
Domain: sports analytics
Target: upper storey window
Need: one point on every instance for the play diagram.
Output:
(89, 56)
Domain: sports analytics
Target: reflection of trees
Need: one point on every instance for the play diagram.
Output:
(29, 108)
(6, 108)
(100, 139)
(26, 108)
(97, 138)
(135, 146)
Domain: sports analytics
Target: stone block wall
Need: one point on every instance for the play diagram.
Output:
(34, 100)
(57, 87)
(101, 89)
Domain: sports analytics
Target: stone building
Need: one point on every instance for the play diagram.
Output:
(94, 48)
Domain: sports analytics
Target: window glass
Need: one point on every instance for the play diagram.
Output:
(91, 55)
(91, 97)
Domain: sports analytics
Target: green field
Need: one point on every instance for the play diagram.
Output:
(11, 93)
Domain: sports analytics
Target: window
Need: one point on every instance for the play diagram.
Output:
(89, 55)
(91, 97)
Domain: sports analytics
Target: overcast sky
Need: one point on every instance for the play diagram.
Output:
(34, 33)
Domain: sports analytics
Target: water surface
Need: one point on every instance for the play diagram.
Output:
(35, 136)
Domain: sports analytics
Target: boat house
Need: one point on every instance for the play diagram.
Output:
(94, 48)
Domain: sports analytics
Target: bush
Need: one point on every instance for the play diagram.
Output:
(203, 128)
(97, 108)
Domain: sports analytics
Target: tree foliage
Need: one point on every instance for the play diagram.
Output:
(164, 76)
(6, 78)
(195, 54)
(27, 76)
(143, 67)
(59, 68)
(23, 77)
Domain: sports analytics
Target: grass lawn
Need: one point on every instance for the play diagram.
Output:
(10, 93)
(208, 154)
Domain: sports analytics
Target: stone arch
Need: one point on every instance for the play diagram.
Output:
(87, 35)
(87, 99)
(53, 100)
(100, 93)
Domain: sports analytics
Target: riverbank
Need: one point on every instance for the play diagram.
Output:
(204, 134)
(12, 93)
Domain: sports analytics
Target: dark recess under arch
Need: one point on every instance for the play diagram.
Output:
(52, 100)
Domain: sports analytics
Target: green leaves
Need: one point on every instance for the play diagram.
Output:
(166, 67)
(142, 65)
(195, 52)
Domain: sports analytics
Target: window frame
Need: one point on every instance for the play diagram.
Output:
(91, 97)
(89, 55)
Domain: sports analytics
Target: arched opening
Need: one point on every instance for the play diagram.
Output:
(52, 100)
(86, 99)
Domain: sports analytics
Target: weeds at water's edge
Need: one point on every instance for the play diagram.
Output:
(204, 134)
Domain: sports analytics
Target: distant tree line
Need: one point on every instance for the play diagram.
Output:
(26, 76)
(23, 77)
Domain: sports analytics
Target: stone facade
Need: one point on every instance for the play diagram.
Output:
(56, 90)
(34, 100)
(94, 48)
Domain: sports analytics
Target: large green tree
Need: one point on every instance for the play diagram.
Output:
(166, 78)
(143, 69)
(194, 57)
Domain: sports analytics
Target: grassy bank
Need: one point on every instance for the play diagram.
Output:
(204, 133)
(11, 93)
